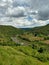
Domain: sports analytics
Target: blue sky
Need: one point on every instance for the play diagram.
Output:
(24, 13)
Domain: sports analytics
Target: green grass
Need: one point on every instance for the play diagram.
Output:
(13, 56)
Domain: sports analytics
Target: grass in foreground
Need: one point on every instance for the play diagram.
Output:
(18, 56)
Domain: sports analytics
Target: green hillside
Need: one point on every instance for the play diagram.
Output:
(44, 30)
(24, 47)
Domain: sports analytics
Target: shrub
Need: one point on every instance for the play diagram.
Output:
(42, 57)
(41, 50)
(34, 46)
(46, 38)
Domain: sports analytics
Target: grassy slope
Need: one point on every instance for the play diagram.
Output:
(6, 32)
(21, 55)
(10, 31)
(40, 30)
(13, 56)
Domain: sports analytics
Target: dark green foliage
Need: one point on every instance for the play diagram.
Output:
(42, 57)
(46, 38)
(40, 31)
(35, 34)
(34, 46)
(17, 44)
(40, 50)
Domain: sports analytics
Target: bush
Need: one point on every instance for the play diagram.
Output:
(18, 44)
(41, 50)
(34, 46)
(46, 38)
(42, 57)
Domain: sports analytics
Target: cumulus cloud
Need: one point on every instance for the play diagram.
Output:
(16, 12)
(24, 13)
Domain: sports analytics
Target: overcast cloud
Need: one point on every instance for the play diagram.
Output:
(24, 13)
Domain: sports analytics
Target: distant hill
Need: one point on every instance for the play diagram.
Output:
(12, 30)
(9, 30)
(39, 30)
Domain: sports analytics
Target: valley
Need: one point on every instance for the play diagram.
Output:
(24, 47)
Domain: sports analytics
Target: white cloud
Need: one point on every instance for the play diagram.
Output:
(17, 11)
(24, 13)
(21, 22)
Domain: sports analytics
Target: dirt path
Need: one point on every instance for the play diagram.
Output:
(15, 39)
(18, 41)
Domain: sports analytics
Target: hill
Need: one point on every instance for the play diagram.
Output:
(44, 30)
(24, 47)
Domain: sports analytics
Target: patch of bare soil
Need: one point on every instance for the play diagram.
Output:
(46, 41)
